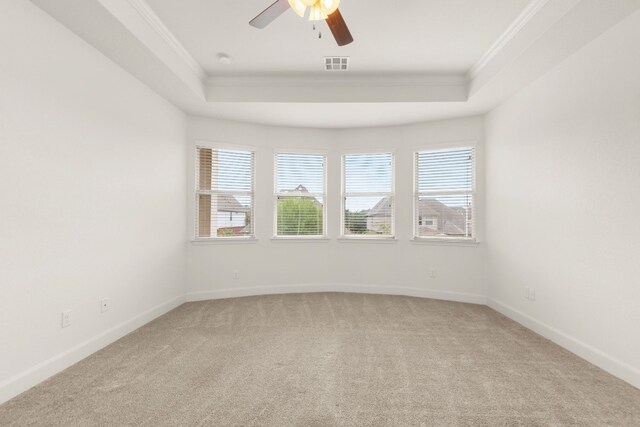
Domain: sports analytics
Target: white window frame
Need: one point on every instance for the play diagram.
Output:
(418, 194)
(277, 194)
(344, 195)
(215, 239)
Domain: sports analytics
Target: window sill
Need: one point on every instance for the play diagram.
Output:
(224, 240)
(444, 241)
(300, 239)
(368, 240)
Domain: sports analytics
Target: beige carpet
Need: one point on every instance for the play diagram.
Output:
(329, 360)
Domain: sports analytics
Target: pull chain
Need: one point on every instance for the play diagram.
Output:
(319, 32)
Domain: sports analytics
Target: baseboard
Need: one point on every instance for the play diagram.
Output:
(35, 375)
(336, 287)
(591, 354)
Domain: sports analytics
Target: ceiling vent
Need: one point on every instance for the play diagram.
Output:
(336, 63)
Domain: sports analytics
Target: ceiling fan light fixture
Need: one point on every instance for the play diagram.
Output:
(316, 13)
(318, 9)
(298, 6)
(329, 6)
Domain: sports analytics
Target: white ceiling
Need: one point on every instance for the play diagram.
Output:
(412, 60)
(427, 36)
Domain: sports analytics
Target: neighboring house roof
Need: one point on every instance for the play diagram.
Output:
(452, 229)
(428, 208)
(381, 209)
(451, 220)
(228, 203)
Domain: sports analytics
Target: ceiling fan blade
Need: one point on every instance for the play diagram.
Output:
(339, 28)
(270, 14)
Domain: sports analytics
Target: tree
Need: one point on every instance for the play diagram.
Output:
(301, 216)
(356, 222)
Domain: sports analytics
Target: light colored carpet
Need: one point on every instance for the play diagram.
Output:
(329, 360)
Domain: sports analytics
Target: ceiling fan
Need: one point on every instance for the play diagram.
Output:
(317, 10)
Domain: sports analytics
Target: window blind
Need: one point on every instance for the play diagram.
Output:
(368, 195)
(445, 186)
(224, 194)
(300, 195)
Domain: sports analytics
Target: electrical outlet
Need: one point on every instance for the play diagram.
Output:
(66, 318)
(105, 305)
(433, 274)
(530, 294)
(236, 275)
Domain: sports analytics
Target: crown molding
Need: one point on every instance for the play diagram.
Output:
(507, 36)
(172, 42)
(352, 88)
(328, 81)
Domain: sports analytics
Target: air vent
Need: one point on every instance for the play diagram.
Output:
(336, 63)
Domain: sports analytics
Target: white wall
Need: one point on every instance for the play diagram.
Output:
(272, 266)
(92, 185)
(563, 202)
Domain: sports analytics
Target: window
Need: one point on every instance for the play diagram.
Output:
(368, 197)
(300, 198)
(224, 194)
(445, 186)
